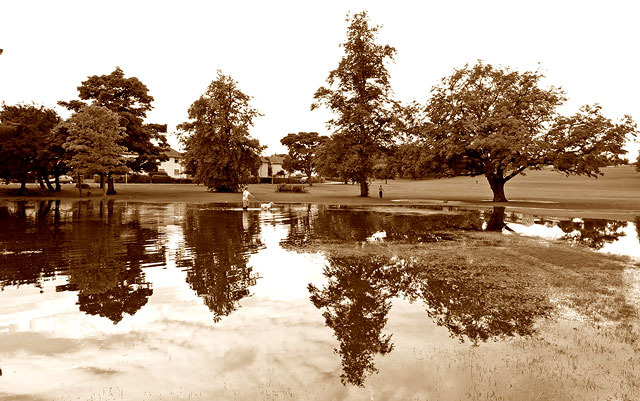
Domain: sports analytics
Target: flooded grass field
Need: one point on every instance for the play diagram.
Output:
(134, 301)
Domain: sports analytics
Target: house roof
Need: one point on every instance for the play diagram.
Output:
(272, 159)
(170, 152)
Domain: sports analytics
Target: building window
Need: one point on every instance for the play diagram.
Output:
(176, 172)
(177, 160)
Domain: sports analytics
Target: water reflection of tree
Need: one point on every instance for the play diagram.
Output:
(479, 307)
(496, 219)
(99, 248)
(356, 301)
(29, 236)
(111, 247)
(594, 233)
(219, 244)
(356, 225)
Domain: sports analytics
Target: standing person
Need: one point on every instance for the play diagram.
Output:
(380, 190)
(245, 197)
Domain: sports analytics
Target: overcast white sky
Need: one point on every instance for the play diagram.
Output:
(280, 52)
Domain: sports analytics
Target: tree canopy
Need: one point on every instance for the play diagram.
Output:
(359, 94)
(303, 148)
(25, 134)
(94, 134)
(219, 151)
(129, 98)
(492, 121)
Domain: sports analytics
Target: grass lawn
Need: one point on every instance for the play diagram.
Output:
(615, 195)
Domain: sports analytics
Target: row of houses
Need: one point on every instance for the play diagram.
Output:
(173, 165)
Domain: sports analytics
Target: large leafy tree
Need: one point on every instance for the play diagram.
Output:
(25, 132)
(219, 152)
(94, 134)
(333, 161)
(129, 98)
(303, 148)
(496, 122)
(359, 94)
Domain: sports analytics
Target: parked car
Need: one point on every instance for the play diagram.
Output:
(64, 179)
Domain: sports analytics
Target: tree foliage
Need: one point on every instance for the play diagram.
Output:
(94, 134)
(25, 134)
(490, 121)
(303, 148)
(129, 98)
(219, 151)
(582, 143)
(333, 161)
(359, 94)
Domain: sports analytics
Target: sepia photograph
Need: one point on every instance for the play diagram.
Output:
(293, 200)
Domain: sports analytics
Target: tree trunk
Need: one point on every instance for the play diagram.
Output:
(23, 186)
(79, 180)
(51, 189)
(364, 187)
(111, 190)
(309, 179)
(102, 181)
(41, 181)
(496, 182)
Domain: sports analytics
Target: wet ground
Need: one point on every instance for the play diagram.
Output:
(134, 301)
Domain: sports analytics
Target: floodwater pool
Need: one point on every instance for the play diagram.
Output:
(134, 301)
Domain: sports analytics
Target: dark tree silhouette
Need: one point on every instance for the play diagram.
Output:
(359, 93)
(25, 135)
(303, 148)
(594, 233)
(219, 244)
(477, 307)
(496, 122)
(356, 301)
(351, 224)
(129, 98)
(29, 241)
(100, 247)
(107, 268)
(219, 150)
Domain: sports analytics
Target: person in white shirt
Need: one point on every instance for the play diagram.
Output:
(245, 197)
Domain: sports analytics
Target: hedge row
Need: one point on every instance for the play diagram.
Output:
(291, 188)
(149, 179)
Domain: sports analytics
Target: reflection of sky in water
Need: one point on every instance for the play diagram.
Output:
(275, 344)
(626, 243)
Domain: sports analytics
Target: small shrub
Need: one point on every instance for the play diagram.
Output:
(183, 181)
(140, 179)
(291, 188)
(161, 179)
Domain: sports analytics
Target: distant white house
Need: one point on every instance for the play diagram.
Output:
(173, 165)
(276, 166)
